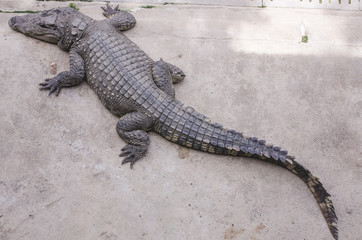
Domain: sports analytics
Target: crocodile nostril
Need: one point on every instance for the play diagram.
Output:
(12, 21)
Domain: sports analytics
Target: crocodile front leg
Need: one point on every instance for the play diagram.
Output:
(165, 74)
(68, 78)
(120, 19)
(132, 128)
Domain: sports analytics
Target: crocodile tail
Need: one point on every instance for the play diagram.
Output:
(185, 126)
(252, 147)
(321, 195)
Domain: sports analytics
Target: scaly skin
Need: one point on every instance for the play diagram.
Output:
(140, 91)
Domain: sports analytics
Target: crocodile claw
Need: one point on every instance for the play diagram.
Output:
(131, 154)
(52, 84)
(109, 11)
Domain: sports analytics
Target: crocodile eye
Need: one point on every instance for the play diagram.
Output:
(47, 26)
(43, 25)
(44, 13)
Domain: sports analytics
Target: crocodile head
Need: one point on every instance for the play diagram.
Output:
(62, 26)
(43, 25)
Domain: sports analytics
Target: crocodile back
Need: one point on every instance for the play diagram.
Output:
(117, 69)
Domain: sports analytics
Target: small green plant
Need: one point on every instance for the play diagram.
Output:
(148, 6)
(304, 39)
(72, 5)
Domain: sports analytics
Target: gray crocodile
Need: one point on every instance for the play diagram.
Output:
(140, 91)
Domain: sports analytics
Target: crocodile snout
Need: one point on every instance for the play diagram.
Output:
(15, 21)
(12, 22)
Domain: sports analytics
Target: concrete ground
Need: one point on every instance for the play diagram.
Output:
(60, 174)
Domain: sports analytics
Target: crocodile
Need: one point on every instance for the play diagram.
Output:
(140, 92)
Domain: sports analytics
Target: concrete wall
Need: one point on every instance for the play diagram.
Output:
(322, 4)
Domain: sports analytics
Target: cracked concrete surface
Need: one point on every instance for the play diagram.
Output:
(60, 174)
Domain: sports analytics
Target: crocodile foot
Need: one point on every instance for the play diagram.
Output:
(109, 11)
(132, 153)
(52, 84)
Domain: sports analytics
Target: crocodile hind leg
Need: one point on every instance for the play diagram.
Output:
(132, 128)
(177, 74)
(165, 74)
(120, 19)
